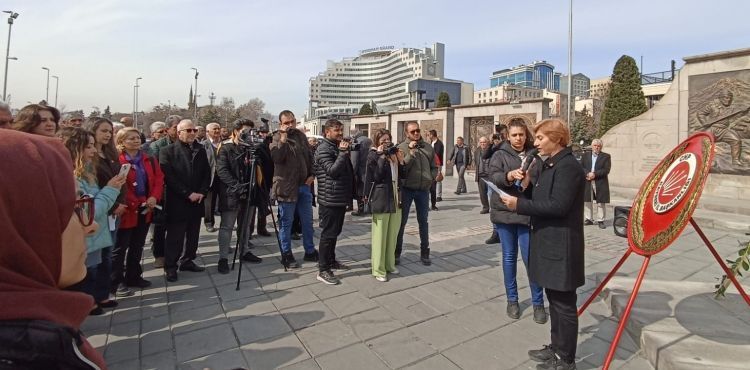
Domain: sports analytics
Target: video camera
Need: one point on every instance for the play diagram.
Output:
(250, 137)
(390, 150)
(353, 145)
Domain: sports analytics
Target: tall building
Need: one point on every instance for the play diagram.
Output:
(380, 75)
(600, 88)
(506, 93)
(538, 75)
(581, 85)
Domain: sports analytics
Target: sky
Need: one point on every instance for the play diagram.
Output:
(270, 49)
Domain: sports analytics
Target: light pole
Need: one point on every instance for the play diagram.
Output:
(11, 16)
(135, 102)
(195, 96)
(57, 84)
(570, 61)
(47, 98)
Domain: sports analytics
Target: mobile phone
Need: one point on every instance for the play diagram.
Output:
(124, 169)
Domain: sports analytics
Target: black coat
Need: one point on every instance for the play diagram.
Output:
(333, 169)
(379, 184)
(186, 171)
(601, 172)
(231, 170)
(467, 156)
(359, 162)
(483, 164)
(439, 149)
(504, 160)
(556, 209)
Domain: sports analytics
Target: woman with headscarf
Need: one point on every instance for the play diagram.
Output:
(80, 144)
(39, 318)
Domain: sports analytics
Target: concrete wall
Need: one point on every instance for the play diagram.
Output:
(638, 144)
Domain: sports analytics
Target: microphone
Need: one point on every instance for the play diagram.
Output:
(526, 163)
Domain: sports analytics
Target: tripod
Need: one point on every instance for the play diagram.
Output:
(247, 209)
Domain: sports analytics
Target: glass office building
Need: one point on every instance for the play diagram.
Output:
(538, 75)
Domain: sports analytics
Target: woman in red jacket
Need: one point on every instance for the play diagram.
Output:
(144, 184)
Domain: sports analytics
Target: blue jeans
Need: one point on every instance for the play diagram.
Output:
(421, 199)
(513, 237)
(303, 205)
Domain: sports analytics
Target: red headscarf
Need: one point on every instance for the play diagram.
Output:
(37, 196)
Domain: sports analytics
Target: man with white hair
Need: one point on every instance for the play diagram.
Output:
(6, 118)
(211, 144)
(157, 130)
(187, 176)
(596, 164)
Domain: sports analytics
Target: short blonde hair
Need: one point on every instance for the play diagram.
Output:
(555, 129)
(122, 134)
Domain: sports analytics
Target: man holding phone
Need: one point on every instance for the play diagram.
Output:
(187, 177)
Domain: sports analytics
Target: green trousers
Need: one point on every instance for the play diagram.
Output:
(384, 232)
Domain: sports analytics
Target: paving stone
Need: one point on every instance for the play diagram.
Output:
(323, 291)
(400, 348)
(158, 361)
(292, 297)
(357, 356)
(275, 352)
(308, 364)
(441, 333)
(156, 341)
(257, 328)
(122, 349)
(198, 318)
(124, 365)
(190, 299)
(373, 323)
(350, 304)
(202, 342)
(230, 359)
(327, 337)
(307, 315)
(246, 307)
(405, 308)
(437, 362)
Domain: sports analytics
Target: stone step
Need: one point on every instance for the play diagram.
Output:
(679, 325)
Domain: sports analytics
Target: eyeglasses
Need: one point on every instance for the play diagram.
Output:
(84, 209)
(160, 131)
(415, 131)
(190, 130)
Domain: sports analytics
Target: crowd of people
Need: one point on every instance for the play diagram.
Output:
(182, 176)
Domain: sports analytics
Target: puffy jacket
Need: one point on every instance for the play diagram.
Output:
(335, 174)
(420, 168)
(155, 189)
(104, 199)
(379, 184)
(504, 160)
(292, 165)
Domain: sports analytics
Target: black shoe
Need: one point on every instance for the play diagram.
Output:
(311, 257)
(96, 311)
(439, 199)
(398, 261)
(601, 225)
(108, 304)
(434, 208)
(250, 257)
(494, 239)
(588, 222)
(457, 192)
(211, 229)
(327, 277)
(484, 211)
(223, 266)
(171, 276)
(296, 236)
(263, 232)
(513, 310)
(358, 213)
(540, 315)
(339, 266)
(556, 363)
(425, 258)
(287, 259)
(138, 283)
(542, 355)
(191, 266)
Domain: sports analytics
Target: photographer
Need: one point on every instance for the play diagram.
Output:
(420, 171)
(360, 146)
(233, 192)
(385, 165)
(335, 174)
(293, 175)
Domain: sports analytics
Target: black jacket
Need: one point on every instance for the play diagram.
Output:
(601, 171)
(556, 209)
(483, 164)
(186, 171)
(467, 155)
(439, 149)
(333, 169)
(359, 162)
(231, 170)
(379, 184)
(504, 160)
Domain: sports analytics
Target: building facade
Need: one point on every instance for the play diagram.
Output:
(506, 93)
(539, 75)
(581, 85)
(380, 75)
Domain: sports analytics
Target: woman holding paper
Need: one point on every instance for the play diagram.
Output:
(556, 257)
(512, 228)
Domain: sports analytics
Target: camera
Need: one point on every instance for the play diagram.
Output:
(250, 137)
(390, 150)
(418, 145)
(353, 145)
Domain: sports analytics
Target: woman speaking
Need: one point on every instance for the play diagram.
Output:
(556, 253)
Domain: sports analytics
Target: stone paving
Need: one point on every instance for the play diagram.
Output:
(450, 315)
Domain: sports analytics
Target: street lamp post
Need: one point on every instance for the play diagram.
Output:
(195, 96)
(57, 84)
(135, 102)
(47, 98)
(570, 61)
(11, 16)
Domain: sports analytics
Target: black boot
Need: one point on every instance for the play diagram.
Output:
(287, 259)
(494, 239)
(262, 227)
(425, 257)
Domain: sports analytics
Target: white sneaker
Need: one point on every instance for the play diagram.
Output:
(381, 279)
(394, 272)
